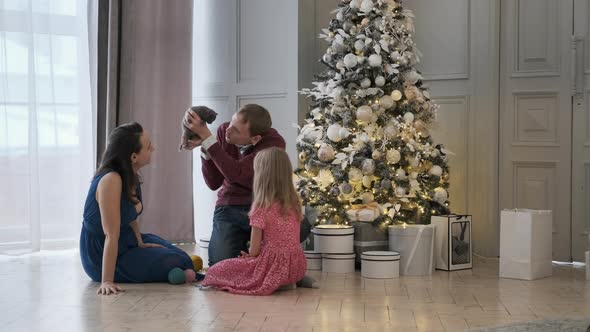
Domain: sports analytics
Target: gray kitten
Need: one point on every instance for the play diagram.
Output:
(206, 114)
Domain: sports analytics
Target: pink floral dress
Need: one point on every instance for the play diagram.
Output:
(281, 260)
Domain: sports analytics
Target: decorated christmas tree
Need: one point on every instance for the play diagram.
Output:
(365, 150)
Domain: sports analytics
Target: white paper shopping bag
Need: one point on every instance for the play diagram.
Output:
(526, 243)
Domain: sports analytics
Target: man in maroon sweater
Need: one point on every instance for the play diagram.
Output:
(228, 162)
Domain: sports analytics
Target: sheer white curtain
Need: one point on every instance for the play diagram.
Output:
(46, 123)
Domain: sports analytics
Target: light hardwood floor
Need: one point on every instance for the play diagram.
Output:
(49, 291)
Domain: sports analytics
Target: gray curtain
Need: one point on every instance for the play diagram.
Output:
(145, 75)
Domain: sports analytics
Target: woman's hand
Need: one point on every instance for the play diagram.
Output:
(244, 254)
(149, 245)
(108, 287)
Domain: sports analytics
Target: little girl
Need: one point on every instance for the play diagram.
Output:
(275, 257)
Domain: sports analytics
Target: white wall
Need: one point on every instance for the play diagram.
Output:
(245, 51)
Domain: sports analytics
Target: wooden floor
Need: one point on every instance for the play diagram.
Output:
(49, 291)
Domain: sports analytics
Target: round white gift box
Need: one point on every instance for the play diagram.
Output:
(333, 239)
(338, 263)
(415, 244)
(314, 260)
(380, 264)
(204, 251)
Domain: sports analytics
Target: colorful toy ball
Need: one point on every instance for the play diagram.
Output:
(189, 275)
(197, 262)
(176, 276)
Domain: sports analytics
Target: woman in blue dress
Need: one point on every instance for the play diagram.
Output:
(111, 247)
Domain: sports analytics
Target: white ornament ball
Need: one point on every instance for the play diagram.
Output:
(400, 191)
(367, 6)
(364, 113)
(436, 170)
(359, 45)
(401, 173)
(355, 4)
(386, 102)
(375, 107)
(393, 156)
(355, 174)
(327, 57)
(365, 83)
(333, 132)
(390, 131)
(367, 197)
(379, 80)
(440, 195)
(350, 60)
(396, 95)
(375, 60)
(408, 117)
(368, 166)
(344, 132)
(326, 153)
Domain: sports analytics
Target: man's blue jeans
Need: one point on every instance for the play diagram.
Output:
(231, 232)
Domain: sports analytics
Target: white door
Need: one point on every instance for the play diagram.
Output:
(580, 49)
(536, 112)
(460, 65)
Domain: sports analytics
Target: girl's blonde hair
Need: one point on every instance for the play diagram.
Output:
(273, 182)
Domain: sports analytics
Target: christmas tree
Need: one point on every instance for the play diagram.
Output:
(365, 150)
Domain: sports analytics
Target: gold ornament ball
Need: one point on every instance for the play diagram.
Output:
(376, 155)
(396, 95)
(197, 262)
(331, 34)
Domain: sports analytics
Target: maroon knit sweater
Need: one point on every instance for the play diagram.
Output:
(233, 171)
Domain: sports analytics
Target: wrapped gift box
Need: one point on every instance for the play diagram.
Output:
(333, 239)
(380, 264)
(364, 212)
(415, 244)
(369, 237)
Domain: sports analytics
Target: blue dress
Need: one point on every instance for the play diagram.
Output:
(133, 264)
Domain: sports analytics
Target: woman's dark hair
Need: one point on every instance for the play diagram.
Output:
(122, 142)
